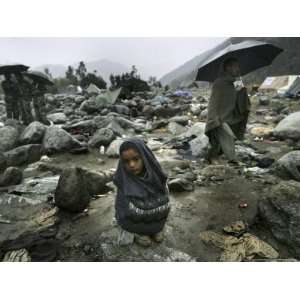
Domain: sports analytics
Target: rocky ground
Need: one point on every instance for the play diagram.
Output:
(57, 198)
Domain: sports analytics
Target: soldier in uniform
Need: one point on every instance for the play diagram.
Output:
(39, 103)
(12, 97)
(26, 99)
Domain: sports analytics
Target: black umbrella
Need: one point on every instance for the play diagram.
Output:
(13, 68)
(38, 77)
(251, 55)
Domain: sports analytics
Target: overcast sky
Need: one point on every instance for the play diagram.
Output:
(152, 56)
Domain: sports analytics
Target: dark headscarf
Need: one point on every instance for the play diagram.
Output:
(154, 180)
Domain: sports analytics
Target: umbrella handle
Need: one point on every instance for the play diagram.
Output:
(242, 81)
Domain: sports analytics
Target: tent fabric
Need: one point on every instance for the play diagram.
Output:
(283, 85)
(93, 89)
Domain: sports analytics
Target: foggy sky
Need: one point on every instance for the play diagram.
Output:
(152, 56)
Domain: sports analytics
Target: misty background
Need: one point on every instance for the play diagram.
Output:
(152, 56)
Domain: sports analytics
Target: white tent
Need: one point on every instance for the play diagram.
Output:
(288, 85)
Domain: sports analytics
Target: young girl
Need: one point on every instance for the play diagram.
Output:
(142, 202)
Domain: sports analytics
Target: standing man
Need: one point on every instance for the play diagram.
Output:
(228, 110)
(26, 98)
(12, 97)
(39, 103)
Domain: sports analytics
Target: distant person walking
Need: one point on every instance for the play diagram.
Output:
(228, 110)
(26, 98)
(39, 103)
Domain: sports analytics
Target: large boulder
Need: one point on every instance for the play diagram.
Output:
(199, 146)
(11, 176)
(182, 120)
(58, 140)
(33, 133)
(175, 128)
(288, 166)
(26, 154)
(289, 127)
(279, 210)
(71, 193)
(57, 118)
(8, 138)
(102, 137)
(96, 181)
(198, 129)
(114, 147)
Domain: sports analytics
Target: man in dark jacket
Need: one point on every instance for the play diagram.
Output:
(25, 99)
(228, 111)
(39, 103)
(12, 97)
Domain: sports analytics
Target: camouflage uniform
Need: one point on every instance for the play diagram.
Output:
(39, 104)
(12, 99)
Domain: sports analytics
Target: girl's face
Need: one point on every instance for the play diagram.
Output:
(133, 161)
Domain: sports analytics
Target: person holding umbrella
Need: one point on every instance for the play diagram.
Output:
(229, 104)
(40, 83)
(11, 89)
(26, 98)
(12, 97)
(228, 111)
(39, 103)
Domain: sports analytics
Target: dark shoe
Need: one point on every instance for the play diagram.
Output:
(159, 237)
(143, 240)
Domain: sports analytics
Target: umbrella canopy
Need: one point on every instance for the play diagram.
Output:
(15, 68)
(251, 55)
(38, 77)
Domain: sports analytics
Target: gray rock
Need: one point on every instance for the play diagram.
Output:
(175, 128)
(289, 127)
(71, 193)
(97, 181)
(122, 109)
(279, 210)
(81, 126)
(79, 99)
(26, 154)
(91, 105)
(8, 138)
(115, 127)
(182, 120)
(198, 129)
(127, 124)
(11, 176)
(171, 163)
(203, 114)
(33, 133)
(199, 146)
(196, 108)
(166, 111)
(180, 185)
(102, 137)
(37, 189)
(288, 166)
(57, 118)
(114, 147)
(68, 111)
(264, 100)
(58, 140)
